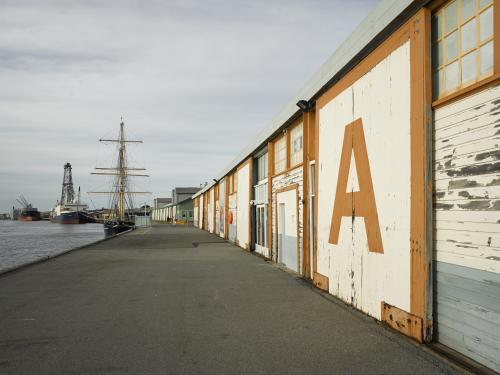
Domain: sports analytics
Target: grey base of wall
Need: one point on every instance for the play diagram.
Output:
(36, 261)
(461, 360)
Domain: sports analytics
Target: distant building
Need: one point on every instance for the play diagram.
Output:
(179, 194)
(161, 202)
(178, 210)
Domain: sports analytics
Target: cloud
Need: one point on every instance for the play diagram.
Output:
(196, 80)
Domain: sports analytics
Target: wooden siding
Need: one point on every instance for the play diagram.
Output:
(467, 226)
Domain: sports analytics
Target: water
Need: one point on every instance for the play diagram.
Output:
(23, 242)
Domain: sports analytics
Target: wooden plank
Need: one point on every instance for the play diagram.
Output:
(450, 151)
(418, 325)
(447, 191)
(402, 321)
(321, 281)
(465, 226)
(462, 216)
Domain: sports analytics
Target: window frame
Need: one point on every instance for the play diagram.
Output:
(282, 138)
(301, 151)
(479, 78)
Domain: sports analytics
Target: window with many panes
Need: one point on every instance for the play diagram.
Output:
(280, 155)
(262, 167)
(462, 44)
(296, 145)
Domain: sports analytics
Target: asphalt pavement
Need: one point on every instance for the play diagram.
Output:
(177, 300)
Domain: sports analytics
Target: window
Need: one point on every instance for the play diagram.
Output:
(261, 225)
(462, 44)
(231, 184)
(296, 145)
(280, 155)
(262, 167)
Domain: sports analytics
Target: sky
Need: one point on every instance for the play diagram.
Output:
(196, 80)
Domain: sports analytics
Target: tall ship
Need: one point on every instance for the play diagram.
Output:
(70, 210)
(121, 202)
(27, 212)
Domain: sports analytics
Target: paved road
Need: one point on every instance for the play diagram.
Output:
(176, 300)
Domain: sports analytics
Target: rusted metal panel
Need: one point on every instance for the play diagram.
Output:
(466, 239)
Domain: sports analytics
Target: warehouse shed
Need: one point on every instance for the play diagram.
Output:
(379, 181)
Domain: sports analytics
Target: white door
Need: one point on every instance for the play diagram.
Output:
(287, 229)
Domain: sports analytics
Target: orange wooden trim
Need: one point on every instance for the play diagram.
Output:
(297, 228)
(496, 37)
(214, 215)
(226, 208)
(397, 39)
(402, 321)
(306, 267)
(289, 170)
(295, 187)
(287, 135)
(421, 169)
(287, 188)
(270, 170)
(316, 182)
(469, 90)
(250, 196)
(321, 281)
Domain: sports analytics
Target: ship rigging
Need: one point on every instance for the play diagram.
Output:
(121, 196)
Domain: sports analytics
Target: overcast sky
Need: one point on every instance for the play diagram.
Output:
(195, 79)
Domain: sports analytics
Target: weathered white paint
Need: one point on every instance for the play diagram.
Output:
(200, 222)
(196, 214)
(211, 211)
(232, 217)
(287, 229)
(295, 176)
(467, 181)
(381, 98)
(243, 206)
(261, 200)
(467, 226)
(222, 207)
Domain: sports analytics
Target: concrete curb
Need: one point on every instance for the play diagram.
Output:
(40, 260)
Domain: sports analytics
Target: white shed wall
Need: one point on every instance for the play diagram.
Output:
(381, 98)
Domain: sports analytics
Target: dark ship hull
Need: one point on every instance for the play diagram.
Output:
(75, 217)
(29, 215)
(112, 228)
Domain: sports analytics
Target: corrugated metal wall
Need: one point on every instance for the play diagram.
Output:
(467, 226)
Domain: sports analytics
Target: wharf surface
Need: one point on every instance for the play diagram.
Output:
(177, 300)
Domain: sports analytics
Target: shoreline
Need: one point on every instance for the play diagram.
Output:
(52, 256)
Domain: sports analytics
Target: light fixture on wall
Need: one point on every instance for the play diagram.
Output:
(304, 105)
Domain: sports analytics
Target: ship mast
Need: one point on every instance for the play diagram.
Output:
(121, 172)
(122, 182)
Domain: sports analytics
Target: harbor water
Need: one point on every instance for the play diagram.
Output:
(24, 242)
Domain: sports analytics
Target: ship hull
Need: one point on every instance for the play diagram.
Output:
(76, 217)
(28, 218)
(112, 228)
(29, 215)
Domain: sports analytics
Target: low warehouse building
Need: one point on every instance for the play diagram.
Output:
(379, 180)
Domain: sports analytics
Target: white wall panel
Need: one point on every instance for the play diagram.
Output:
(243, 206)
(381, 99)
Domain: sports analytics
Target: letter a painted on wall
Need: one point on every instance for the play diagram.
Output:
(356, 203)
